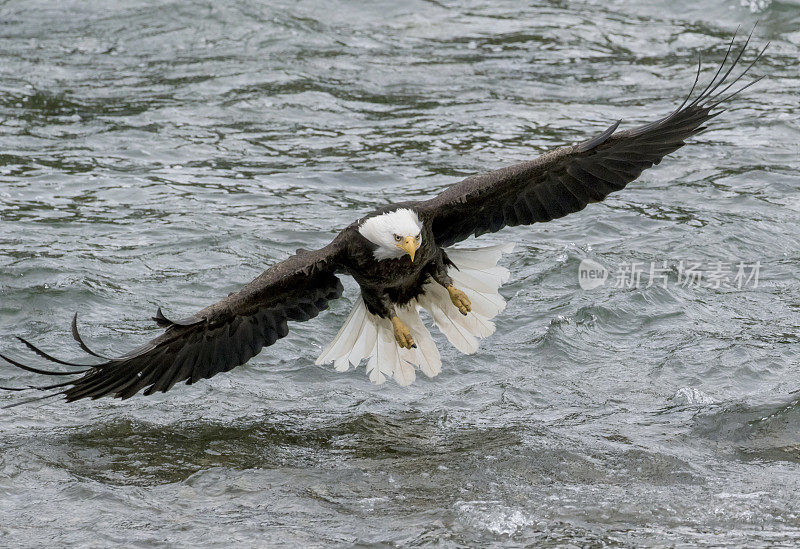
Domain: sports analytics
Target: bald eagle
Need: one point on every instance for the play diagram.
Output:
(402, 258)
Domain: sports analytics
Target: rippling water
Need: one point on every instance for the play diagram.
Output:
(164, 154)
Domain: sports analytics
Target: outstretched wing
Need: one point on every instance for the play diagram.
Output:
(216, 339)
(567, 179)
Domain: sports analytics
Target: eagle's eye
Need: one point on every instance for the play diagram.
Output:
(398, 238)
(418, 237)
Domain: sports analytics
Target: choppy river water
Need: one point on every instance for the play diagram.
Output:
(166, 153)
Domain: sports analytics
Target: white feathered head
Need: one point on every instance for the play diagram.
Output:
(395, 233)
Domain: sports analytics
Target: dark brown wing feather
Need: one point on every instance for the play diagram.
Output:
(567, 179)
(216, 339)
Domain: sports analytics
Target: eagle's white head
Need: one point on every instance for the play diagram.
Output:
(394, 233)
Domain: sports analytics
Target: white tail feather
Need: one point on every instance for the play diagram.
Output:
(346, 339)
(384, 356)
(426, 356)
(365, 345)
(479, 258)
(365, 335)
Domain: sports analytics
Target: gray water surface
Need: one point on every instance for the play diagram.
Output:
(163, 154)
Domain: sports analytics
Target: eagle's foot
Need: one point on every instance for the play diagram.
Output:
(402, 334)
(459, 299)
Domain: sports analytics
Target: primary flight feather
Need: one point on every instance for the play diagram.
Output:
(400, 257)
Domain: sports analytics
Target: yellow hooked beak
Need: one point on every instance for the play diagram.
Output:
(409, 245)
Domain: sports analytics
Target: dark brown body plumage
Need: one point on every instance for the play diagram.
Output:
(392, 281)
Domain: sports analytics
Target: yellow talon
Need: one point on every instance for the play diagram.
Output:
(459, 299)
(402, 334)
